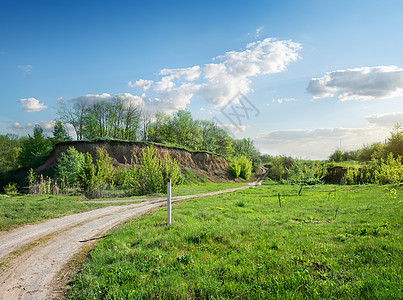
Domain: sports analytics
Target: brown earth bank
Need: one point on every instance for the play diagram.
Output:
(214, 167)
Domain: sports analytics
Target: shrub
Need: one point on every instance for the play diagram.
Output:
(149, 175)
(11, 188)
(170, 169)
(246, 167)
(235, 168)
(70, 165)
(389, 170)
(241, 167)
(152, 173)
(86, 176)
(352, 176)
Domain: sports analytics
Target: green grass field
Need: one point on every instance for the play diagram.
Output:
(333, 242)
(22, 209)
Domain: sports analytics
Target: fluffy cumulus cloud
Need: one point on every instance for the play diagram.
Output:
(141, 84)
(364, 83)
(222, 81)
(318, 143)
(386, 120)
(31, 105)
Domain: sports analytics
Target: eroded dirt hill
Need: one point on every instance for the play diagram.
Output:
(214, 167)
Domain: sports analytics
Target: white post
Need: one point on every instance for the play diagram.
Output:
(169, 202)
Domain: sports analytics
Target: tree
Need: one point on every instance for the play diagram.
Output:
(60, 133)
(395, 141)
(247, 148)
(74, 114)
(35, 149)
(336, 156)
(69, 165)
(305, 173)
(10, 147)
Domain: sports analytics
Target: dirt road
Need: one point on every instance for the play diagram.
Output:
(32, 256)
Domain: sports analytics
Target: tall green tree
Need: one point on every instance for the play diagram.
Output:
(35, 149)
(60, 133)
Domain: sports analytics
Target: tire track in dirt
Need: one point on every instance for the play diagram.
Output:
(33, 255)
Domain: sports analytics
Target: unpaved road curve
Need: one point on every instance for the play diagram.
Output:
(33, 255)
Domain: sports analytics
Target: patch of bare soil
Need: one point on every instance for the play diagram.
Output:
(213, 167)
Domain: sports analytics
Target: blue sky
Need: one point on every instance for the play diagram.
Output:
(314, 74)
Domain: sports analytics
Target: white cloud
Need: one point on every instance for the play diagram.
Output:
(47, 126)
(189, 74)
(27, 69)
(364, 83)
(281, 100)
(32, 104)
(221, 82)
(16, 126)
(318, 143)
(386, 120)
(141, 84)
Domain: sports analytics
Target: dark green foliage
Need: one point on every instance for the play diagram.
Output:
(94, 179)
(86, 177)
(35, 149)
(337, 156)
(10, 147)
(60, 133)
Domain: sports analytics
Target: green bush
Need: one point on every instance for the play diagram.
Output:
(69, 165)
(241, 167)
(389, 170)
(86, 177)
(352, 176)
(152, 173)
(11, 188)
(235, 168)
(246, 167)
(170, 169)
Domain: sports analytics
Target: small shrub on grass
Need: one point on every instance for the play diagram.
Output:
(11, 188)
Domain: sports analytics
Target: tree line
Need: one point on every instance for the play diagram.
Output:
(119, 120)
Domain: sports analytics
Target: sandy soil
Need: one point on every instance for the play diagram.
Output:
(32, 256)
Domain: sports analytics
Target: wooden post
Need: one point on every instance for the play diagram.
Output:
(169, 201)
(279, 199)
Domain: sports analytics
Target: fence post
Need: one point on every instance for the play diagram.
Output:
(169, 201)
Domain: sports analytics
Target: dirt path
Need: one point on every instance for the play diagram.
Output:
(32, 256)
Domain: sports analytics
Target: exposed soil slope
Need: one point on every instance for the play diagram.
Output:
(127, 153)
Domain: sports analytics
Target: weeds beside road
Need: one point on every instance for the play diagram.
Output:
(334, 244)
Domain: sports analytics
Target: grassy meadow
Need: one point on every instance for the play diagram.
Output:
(20, 209)
(333, 242)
